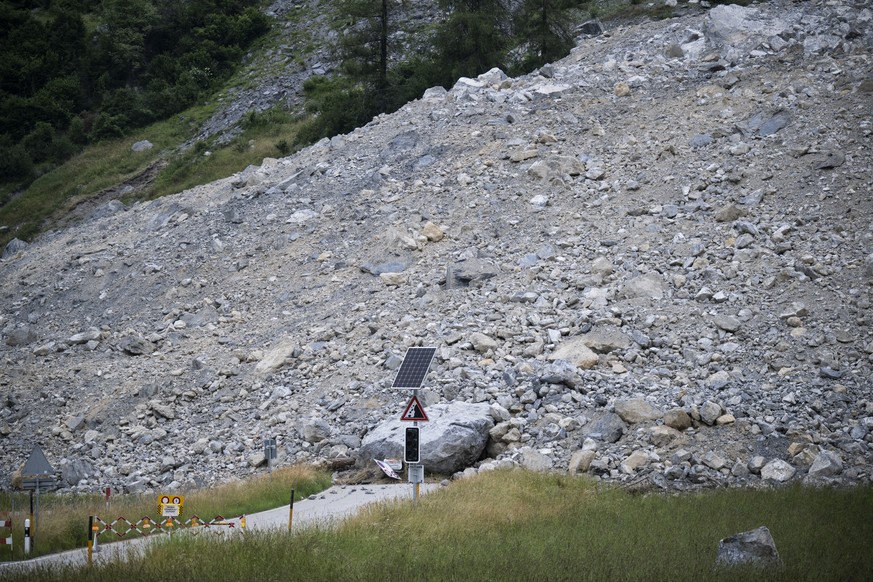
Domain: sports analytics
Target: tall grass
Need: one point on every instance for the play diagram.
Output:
(63, 519)
(513, 525)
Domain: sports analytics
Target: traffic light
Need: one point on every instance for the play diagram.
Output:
(411, 452)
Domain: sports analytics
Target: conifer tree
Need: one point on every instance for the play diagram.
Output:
(543, 29)
(363, 48)
(474, 38)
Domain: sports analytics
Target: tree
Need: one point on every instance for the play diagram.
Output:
(473, 39)
(543, 29)
(125, 25)
(363, 48)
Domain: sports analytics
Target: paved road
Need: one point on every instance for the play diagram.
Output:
(325, 508)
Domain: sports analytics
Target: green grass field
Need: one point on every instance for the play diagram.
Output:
(515, 525)
(63, 519)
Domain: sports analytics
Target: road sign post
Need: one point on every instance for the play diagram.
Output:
(411, 374)
(270, 451)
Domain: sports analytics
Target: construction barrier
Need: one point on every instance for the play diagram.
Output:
(6, 541)
(147, 526)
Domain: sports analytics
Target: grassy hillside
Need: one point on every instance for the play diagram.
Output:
(516, 525)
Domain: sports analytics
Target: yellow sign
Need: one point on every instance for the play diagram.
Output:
(170, 505)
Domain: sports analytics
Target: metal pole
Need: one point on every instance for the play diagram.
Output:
(415, 485)
(32, 519)
(90, 540)
(36, 518)
(291, 511)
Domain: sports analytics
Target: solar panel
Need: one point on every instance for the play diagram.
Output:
(414, 367)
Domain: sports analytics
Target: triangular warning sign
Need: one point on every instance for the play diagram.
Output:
(414, 411)
(37, 464)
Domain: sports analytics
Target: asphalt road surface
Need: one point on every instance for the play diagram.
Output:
(322, 509)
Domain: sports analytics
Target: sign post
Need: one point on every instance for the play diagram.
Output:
(41, 474)
(411, 374)
(270, 451)
(415, 413)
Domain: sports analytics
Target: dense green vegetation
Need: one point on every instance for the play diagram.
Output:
(64, 518)
(516, 525)
(83, 71)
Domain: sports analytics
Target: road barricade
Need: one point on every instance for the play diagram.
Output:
(4, 539)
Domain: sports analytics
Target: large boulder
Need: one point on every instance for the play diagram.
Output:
(754, 547)
(75, 470)
(453, 439)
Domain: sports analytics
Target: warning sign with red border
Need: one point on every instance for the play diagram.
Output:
(414, 411)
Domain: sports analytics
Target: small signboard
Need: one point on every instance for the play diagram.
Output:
(44, 483)
(170, 505)
(37, 464)
(414, 411)
(387, 469)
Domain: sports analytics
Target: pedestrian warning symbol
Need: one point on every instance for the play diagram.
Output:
(414, 411)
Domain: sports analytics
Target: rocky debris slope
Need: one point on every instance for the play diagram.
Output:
(651, 261)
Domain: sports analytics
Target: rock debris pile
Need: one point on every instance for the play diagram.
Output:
(651, 262)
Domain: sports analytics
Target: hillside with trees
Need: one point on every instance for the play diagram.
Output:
(78, 74)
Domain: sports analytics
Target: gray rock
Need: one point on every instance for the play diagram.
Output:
(142, 146)
(650, 285)
(21, 336)
(13, 247)
(136, 346)
(483, 343)
(470, 271)
(316, 430)
(257, 459)
(84, 337)
(778, 470)
(714, 461)
(740, 469)
(826, 464)
(608, 428)
(709, 412)
(756, 463)
(75, 470)
(162, 409)
(576, 352)
(562, 371)
(636, 410)
(754, 547)
(606, 339)
(727, 323)
(763, 124)
(677, 419)
(533, 460)
(833, 159)
(700, 140)
(580, 461)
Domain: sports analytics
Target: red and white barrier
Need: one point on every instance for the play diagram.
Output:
(4, 541)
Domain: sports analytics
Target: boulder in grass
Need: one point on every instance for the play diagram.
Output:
(754, 547)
